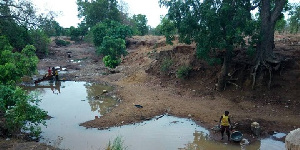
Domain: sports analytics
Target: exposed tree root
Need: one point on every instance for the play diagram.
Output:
(269, 65)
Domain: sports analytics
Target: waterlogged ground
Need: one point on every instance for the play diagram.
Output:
(71, 103)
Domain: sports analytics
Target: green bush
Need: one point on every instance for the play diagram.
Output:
(40, 41)
(183, 72)
(110, 28)
(21, 111)
(111, 62)
(109, 37)
(60, 42)
(166, 64)
(113, 47)
(14, 65)
(17, 35)
(74, 33)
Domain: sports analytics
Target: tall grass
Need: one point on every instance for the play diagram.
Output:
(183, 72)
(166, 65)
(118, 144)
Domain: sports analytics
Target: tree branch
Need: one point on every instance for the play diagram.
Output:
(279, 4)
(8, 16)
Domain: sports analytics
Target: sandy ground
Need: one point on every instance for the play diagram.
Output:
(194, 98)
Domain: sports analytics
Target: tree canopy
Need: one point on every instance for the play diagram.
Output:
(20, 39)
(213, 25)
(216, 25)
(295, 19)
(140, 24)
(97, 11)
(109, 37)
(15, 104)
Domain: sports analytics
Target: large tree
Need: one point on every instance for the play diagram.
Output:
(294, 21)
(140, 22)
(21, 11)
(214, 25)
(97, 11)
(220, 25)
(270, 12)
(21, 25)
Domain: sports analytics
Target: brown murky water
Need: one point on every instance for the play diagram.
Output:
(71, 103)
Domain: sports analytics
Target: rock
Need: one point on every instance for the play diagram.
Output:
(255, 128)
(292, 140)
(244, 142)
(216, 128)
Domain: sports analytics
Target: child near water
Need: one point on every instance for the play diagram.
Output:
(49, 72)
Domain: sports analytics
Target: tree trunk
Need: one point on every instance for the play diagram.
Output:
(265, 46)
(224, 71)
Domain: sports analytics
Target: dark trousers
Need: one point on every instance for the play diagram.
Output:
(223, 128)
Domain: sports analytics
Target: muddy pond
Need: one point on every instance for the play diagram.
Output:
(72, 103)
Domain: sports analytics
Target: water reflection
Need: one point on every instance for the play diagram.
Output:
(56, 87)
(97, 98)
(78, 102)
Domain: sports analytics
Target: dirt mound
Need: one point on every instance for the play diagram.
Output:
(168, 61)
(145, 41)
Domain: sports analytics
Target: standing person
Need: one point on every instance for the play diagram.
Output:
(49, 72)
(56, 75)
(53, 71)
(225, 124)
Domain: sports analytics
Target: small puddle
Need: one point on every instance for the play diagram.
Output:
(72, 103)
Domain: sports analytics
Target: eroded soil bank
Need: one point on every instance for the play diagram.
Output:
(140, 80)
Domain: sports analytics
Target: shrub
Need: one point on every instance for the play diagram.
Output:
(183, 72)
(166, 64)
(111, 62)
(21, 111)
(74, 33)
(40, 41)
(112, 49)
(60, 42)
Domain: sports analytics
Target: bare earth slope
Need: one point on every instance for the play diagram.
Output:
(139, 80)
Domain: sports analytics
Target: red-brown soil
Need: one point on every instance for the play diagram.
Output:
(140, 80)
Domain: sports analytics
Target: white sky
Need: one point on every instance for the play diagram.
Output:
(67, 10)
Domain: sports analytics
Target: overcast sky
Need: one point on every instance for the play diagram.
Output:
(68, 10)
